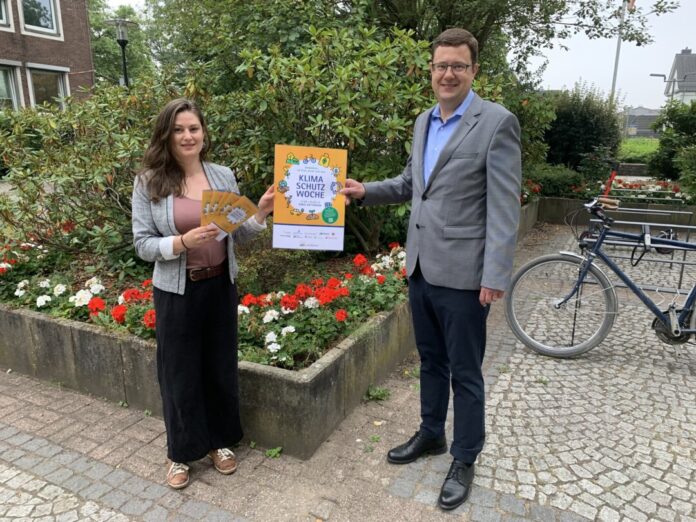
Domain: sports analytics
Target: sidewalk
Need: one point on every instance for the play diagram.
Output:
(609, 436)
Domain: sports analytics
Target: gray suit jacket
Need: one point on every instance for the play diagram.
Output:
(153, 223)
(463, 223)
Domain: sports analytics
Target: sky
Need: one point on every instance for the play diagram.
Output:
(592, 61)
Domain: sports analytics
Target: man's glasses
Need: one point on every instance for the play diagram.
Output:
(457, 68)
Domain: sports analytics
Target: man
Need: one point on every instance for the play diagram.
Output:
(463, 181)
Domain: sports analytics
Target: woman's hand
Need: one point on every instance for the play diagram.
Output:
(197, 237)
(265, 204)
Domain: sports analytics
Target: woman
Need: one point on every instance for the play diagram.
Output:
(194, 291)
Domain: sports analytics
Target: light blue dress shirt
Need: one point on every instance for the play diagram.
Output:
(439, 134)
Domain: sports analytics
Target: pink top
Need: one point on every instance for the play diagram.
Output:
(187, 215)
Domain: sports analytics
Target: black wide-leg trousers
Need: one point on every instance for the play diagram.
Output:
(450, 331)
(197, 367)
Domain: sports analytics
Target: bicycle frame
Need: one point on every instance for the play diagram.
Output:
(597, 252)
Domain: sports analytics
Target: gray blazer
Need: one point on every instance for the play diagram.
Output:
(463, 223)
(154, 230)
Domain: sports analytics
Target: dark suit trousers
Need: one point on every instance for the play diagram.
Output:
(450, 330)
(197, 367)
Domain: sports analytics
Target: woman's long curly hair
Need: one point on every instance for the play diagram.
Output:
(161, 172)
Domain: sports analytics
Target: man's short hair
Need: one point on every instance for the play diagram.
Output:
(455, 37)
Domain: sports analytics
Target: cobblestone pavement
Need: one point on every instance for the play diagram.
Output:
(607, 436)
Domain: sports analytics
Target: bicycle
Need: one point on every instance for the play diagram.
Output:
(563, 305)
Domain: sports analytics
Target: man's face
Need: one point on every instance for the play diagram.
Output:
(452, 87)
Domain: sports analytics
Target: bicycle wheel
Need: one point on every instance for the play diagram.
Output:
(578, 325)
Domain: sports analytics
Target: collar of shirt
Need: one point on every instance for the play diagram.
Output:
(439, 133)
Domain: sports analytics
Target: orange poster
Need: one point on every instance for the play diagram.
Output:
(309, 213)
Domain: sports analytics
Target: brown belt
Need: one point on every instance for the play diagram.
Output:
(199, 274)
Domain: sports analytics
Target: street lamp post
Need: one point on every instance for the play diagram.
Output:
(673, 81)
(122, 39)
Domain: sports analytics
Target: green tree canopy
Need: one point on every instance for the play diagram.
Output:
(106, 52)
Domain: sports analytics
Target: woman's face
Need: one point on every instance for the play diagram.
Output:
(187, 138)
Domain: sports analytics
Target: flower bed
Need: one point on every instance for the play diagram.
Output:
(285, 329)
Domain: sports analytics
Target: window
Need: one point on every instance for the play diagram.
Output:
(40, 16)
(8, 92)
(47, 86)
(4, 18)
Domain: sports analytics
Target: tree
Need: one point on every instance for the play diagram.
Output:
(677, 121)
(206, 36)
(106, 52)
(529, 25)
(585, 121)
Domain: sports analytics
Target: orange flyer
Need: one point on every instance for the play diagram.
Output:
(308, 212)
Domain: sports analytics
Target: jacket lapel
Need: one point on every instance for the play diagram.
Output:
(466, 124)
(420, 133)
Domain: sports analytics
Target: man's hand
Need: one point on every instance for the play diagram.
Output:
(488, 295)
(353, 190)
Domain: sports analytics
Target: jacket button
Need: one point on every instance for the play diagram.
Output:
(417, 225)
(424, 198)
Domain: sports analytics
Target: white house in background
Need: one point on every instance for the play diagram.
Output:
(681, 84)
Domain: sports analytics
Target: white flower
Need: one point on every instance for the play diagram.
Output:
(311, 302)
(26, 246)
(19, 292)
(92, 281)
(22, 284)
(286, 311)
(96, 288)
(273, 348)
(59, 290)
(271, 337)
(401, 255)
(42, 300)
(6, 266)
(121, 299)
(241, 309)
(288, 329)
(271, 315)
(81, 298)
(45, 283)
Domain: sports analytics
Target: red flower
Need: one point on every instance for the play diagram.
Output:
(96, 305)
(394, 245)
(403, 271)
(131, 294)
(289, 301)
(348, 275)
(149, 319)
(341, 315)
(147, 283)
(360, 261)
(381, 279)
(249, 300)
(367, 270)
(12, 261)
(333, 282)
(303, 291)
(317, 283)
(2, 270)
(118, 312)
(676, 189)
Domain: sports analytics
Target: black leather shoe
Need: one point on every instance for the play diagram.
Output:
(416, 446)
(455, 490)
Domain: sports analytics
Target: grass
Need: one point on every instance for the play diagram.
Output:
(637, 150)
(376, 393)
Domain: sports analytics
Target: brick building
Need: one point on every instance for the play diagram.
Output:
(44, 51)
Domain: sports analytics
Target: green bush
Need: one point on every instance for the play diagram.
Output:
(678, 124)
(584, 121)
(686, 162)
(559, 181)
